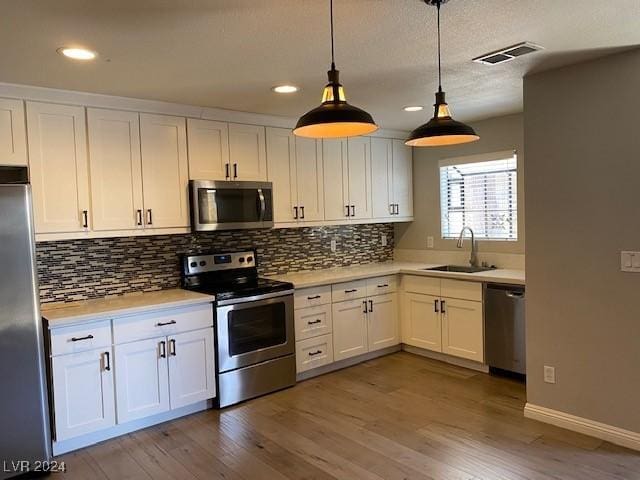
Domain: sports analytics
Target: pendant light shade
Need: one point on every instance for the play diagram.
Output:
(441, 130)
(334, 118)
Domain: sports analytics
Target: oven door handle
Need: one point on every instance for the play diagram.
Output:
(255, 298)
(263, 204)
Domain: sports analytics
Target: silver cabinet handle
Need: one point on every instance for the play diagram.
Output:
(107, 361)
(80, 339)
(163, 324)
(163, 349)
(172, 347)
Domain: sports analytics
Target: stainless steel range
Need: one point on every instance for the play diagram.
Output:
(255, 345)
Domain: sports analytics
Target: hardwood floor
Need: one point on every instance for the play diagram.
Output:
(396, 417)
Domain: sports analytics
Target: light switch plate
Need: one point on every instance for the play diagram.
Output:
(549, 374)
(630, 261)
(429, 242)
(333, 245)
(384, 240)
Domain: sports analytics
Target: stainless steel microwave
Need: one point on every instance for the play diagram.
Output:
(224, 205)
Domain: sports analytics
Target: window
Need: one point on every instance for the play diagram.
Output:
(480, 192)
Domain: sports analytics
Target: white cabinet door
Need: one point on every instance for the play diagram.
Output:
(192, 376)
(116, 169)
(462, 329)
(359, 154)
(382, 177)
(142, 379)
(310, 179)
(83, 399)
(208, 149)
(403, 179)
(383, 321)
(58, 167)
(165, 170)
(335, 172)
(421, 321)
(349, 329)
(13, 140)
(281, 158)
(247, 152)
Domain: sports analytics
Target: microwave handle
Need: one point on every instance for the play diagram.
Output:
(263, 205)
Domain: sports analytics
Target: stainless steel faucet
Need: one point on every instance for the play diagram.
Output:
(473, 259)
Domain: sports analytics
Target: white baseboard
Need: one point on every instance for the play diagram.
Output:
(82, 441)
(619, 436)
(443, 357)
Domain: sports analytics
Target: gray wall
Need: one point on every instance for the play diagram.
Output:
(582, 135)
(496, 134)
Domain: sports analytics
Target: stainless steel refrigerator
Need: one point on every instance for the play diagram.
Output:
(24, 420)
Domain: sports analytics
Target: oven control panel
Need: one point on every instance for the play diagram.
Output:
(194, 264)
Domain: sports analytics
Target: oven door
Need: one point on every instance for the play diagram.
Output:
(254, 330)
(218, 205)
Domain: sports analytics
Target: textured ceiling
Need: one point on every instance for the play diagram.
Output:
(228, 53)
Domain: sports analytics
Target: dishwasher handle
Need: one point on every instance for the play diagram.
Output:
(516, 295)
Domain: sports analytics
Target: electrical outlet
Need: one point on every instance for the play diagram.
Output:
(429, 242)
(334, 245)
(549, 374)
(384, 240)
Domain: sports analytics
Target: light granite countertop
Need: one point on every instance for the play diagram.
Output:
(328, 276)
(58, 315)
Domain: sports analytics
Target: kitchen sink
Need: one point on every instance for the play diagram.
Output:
(459, 269)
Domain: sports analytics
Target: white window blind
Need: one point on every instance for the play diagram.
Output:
(481, 195)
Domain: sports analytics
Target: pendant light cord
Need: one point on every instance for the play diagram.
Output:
(439, 61)
(333, 65)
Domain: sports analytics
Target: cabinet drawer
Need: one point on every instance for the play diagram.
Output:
(313, 321)
(382, 285)
(419, 284)
(461, 289)
(80, 338)
(312, 297)
(348, 290)
(314, 352)
(162, 323)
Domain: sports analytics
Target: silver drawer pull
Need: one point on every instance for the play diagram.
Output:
(314, 322)
(79, 339)
(317, 352)
(315, 297)
(351, 291)
(163, 324)
(383, 286)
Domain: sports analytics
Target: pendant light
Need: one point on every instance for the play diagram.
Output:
(441, 129)
(334, 117)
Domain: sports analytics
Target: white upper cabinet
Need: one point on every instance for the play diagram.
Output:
(281, 156)
(382, 177)
(359, 177)
(335, 171)
(310, 179)
(13, 140)
(116, 169)
(165, 170)
(403, 178)
(208, 150)
(58, 166)
(247, 152)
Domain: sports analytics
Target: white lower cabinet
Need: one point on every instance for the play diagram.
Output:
(349, 329)
(142, 379)
(314, 352)
(382, 319)
(82, 393)
(192, 376)
(421, 322)
(462, 329)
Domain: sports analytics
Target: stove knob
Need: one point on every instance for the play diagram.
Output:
(202, 263)
(194, 264)
(249, 259)
(241, 259)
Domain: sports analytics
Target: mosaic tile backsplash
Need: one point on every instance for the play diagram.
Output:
(82, 269)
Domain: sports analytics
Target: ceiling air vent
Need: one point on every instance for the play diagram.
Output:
(509, 53)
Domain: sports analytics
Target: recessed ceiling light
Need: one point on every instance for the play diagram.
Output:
(77, 53)
(413, 108)
(285, 89)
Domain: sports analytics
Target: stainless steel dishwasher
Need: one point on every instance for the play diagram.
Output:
(504, 326)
